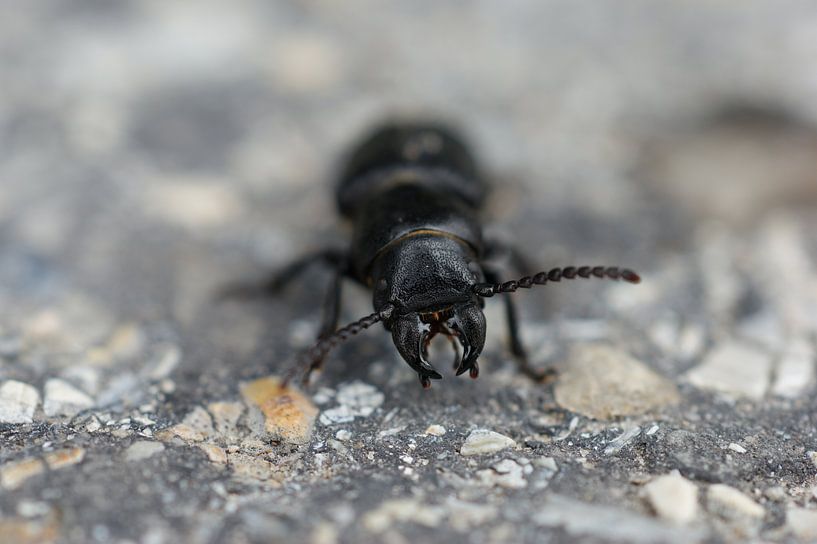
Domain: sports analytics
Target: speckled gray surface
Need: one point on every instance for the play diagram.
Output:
(152, 152)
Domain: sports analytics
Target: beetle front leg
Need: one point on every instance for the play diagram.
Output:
(517, 347)
(331, 313)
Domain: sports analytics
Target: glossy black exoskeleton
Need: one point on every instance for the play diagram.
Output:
(413, 193)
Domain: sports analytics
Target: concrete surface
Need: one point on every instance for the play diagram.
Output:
(153, 152)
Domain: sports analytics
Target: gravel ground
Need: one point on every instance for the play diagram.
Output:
(153, 152)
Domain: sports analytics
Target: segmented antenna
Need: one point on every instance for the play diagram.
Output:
(311, 358)
(556, 274)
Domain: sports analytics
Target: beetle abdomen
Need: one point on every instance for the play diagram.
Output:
(409, 153)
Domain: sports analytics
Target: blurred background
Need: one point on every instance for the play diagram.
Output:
(153, 151)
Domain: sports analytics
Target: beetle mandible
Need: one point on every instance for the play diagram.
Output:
(413, 192)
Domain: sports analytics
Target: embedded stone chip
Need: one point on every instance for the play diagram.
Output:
(288, 414)
(18, 401)
(732, 503)
(673, 498)
(63, 399)
(603, 382)
(484, 441)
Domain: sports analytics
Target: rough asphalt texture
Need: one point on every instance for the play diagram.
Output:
(153, 152)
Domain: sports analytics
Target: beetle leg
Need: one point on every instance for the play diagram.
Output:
(331, 313)
(283, 277)
(500, 254)
(517, 347)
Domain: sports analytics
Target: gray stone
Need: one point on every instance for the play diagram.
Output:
(602, 382)
(732, 503)
(734, 368)
(611, 524)
(484, 441)
(802, 523)
(63, 399)
(795, 371)
(673, 497)
(355, 399)
(143, 449)
(18, 401)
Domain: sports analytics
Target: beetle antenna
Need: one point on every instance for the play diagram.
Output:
(556, 274)
(311, 358)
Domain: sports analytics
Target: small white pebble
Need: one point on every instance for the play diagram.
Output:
(142, 450)
(673, 498)
(732, 503)
(803, 523)
(63, 399)
(343, 435)
(737, 448)
(93, 425)
(483, 441)
(435, 430)
(547, 463)
(18, 401)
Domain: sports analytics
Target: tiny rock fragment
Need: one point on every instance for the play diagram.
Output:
(435, 430)
(732, 503)
(214, 453)
(63, 399)
(324, 533)
(225, 417)
(394, 511)
(775, 493)
(143, 449)
(180, 430)
(622, 440)
(586, 522)
(360, 397)
(604, 383)
(355, 399)
(64, 458)
(737, 448)
(126, 341)
(192, 202)
(251, 467)
(673, 498)
(200, 421)
(795, 371)
(803, 523)
(465, 516)
(547, 463)
(812, 455)
(23, 531)
(484, 441)
(734, 368)
(288, 414)
(14, 473)
(507, 473)
(18, 401)
(165, 363)
(93, 425)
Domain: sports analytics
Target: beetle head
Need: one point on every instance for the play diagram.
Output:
(428, 279)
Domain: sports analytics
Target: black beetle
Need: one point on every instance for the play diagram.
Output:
(413, 192)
